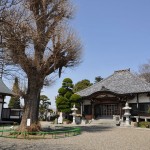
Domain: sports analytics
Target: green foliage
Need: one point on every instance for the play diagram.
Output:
(81, 85)
(67, 80)
(98, 79)
(144, 124)
(62, 100)
(68, 94)
(67, 83)
(67, 121)
(43, 106)
(148, 110)
(66, 97)
(63, 104)
(62, 91)
(15, 100)
(74, 99)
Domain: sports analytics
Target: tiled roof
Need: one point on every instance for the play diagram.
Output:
(4, 90)
(121, 82)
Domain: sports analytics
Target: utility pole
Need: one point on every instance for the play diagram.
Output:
(1, 57)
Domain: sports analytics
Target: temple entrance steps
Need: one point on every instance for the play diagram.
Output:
(104, 121)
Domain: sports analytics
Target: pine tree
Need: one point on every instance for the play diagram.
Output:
(63, 98)
(98, 79)
(15, 100)
(43, 106)
(66, 97)
(81, 85)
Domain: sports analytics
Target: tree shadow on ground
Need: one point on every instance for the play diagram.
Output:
(94, 128)
(91, 128)
(57, 128)
(84, 128)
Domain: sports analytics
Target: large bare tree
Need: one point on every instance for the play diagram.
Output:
(144, 71)
(37, 39)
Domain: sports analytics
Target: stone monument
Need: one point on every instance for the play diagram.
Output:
(60, 118)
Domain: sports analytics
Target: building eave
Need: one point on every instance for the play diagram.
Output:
(121, 82)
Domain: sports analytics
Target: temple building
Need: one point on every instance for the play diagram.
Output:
(107, 97)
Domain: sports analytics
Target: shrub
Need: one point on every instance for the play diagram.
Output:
(52, 118)
(144, 124)
(67, 121)
(148, 110)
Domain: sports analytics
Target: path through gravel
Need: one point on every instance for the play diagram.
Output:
(92, 138)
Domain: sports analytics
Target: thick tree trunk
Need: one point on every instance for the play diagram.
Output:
(31, 109)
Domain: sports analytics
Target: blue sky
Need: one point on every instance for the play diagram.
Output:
(115, 35)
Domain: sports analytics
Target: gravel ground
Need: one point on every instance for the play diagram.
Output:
(93, 137)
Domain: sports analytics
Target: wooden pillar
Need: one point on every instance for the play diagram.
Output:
(92, 109)
(137, 101)
(120, 107)
(81, 108)
(119, 112)
(1, 105)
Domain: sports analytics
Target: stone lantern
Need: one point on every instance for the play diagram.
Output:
(127, 114)
(74, 109)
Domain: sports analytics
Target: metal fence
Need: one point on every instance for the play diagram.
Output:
(9, 132)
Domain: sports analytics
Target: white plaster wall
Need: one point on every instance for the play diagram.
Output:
(143, 98)
(87, 102)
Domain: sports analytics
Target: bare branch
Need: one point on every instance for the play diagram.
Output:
(37, 39)
(144, 71)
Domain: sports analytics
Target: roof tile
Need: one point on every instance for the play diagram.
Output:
(121, 82)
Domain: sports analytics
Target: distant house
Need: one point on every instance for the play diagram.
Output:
(4, 91)
(7, 114)
(107, 97)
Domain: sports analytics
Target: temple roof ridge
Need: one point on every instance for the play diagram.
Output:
(4, 90)
(121, 82)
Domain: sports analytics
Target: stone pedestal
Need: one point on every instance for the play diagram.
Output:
(83, 122)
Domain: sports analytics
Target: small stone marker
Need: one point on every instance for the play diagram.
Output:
(60, 118)
(28, 122)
